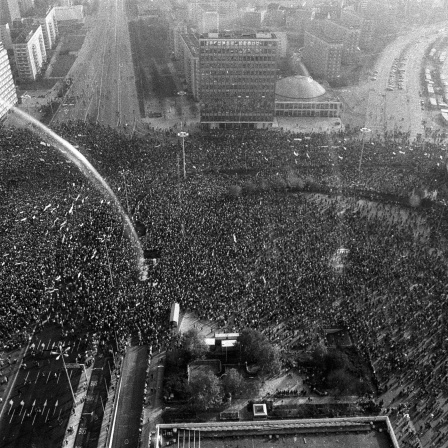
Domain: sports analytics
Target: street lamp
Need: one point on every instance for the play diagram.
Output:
(181, 93)
(61, 354)
(182, 135)
(364, 131)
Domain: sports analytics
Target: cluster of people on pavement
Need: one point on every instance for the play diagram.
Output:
(238, 237)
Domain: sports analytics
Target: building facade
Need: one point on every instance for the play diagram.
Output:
(366, 26)
(8, 95)
(26, 5)
(347, 35)
(49, 28)
(208, 21)
(302, 96)
(237, 74)
(190, 63)
(322, 55)
(5, 36)
(9, 10)
(29, 52)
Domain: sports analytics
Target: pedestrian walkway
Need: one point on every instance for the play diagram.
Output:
(53, 60)
(126, 424)
(75, 417)
(109, 407)
(152, 412)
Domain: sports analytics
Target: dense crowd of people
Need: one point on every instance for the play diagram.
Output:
(241, 239)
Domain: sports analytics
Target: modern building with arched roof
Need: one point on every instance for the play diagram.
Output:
(302, 96)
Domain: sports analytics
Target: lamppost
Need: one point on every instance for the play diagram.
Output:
(182, 135)
(61, 354)
(181, 93)
(364, 131)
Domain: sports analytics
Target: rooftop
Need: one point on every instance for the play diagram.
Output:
(25, 35)
(192, 43)
(365, 432)
(325, 36)
(297, 87)
(239, 35)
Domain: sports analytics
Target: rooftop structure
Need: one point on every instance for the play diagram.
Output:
(355, 432)
(298, 87)
(302, 96)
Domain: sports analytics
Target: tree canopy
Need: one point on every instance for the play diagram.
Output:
(206, 390)
(255, 348)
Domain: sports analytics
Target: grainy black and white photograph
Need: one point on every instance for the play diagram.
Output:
(223, 223)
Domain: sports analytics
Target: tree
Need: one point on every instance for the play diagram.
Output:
(251, 344)
(340, 380)
(177, 385)
(205, 390)
(232, 382)
(255, 348)
(194, 345)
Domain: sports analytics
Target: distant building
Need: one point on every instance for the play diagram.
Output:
(190, 62)
(252, 19)
(298, 20)
(301, 96)
(26, 5)
(208, 21)
(5, 36)
(29, 52)
(348, 35)
(237, 79)
(175, 39)
(49, 28)
(366, 26)
(9, 10)
(8, 93)
(274, 18)
(282, 44)
(322, 54)
(67, 16)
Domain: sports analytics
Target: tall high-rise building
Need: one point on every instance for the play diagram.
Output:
(49, 28)
(322, 54)
(347, 34)
(29, 52)
(237, 74)
(190, 62)
(9, 10)
(8, 95)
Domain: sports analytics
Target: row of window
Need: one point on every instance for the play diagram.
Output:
(236, 118)
(213, 91)
(285, 106)
(306, 113)
(228, 51)
(237, 43)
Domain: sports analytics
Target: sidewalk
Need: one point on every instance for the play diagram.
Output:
(53, 59)
(153, 408)
(109, 406)
(75, 417)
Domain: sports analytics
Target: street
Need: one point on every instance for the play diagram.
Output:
(103, 87)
